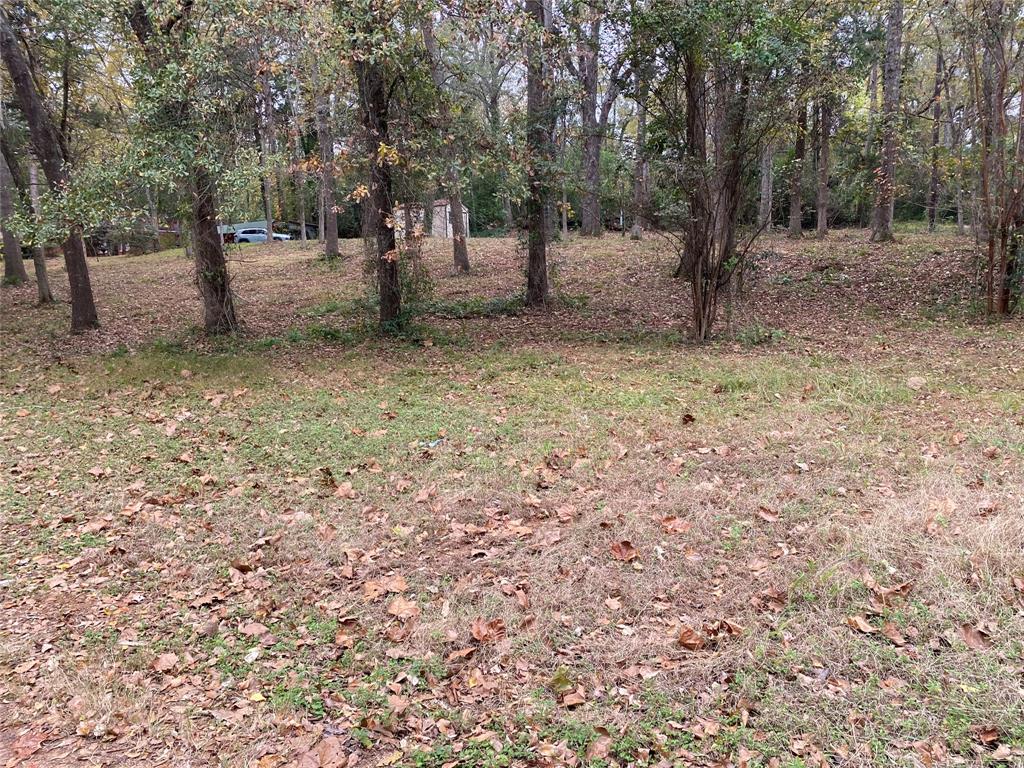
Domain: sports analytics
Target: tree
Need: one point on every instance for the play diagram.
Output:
(824, 133)
(766, 175)
(43, 291)
(371, 39)
(641, 167)
(373, 98)
(885, 177)
(594, 110)
(266, 133)
(726, 74)
(1001, 160)
(50, 149)
(796, 173)
(325, 138)
(167, 41)
(934, 176)
(452, 182)
(539, 153)
(14, 263)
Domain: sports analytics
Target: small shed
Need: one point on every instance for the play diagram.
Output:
(415, 213)
(442, 220)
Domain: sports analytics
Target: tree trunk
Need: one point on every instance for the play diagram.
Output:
(591, 224)
(408, 224)
(590, 199)
(764, 206)
(14, 261)
(824, 131)
(38, 254)
(298, 172)
(933, 182)
(564, 211)
(299, 182)
(640, 166)
(453, 186)
(460, 252)
(329, 206)
(373, 100)
(48, 146)
(211, 268)
(885, 178)
(265, 182)
(154, 221)
(869, 134)
(320, 213)
(538, 140)
(796, 174)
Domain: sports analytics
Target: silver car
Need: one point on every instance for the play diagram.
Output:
(257, 236)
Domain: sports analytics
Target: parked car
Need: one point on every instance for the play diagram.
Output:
(257, 236)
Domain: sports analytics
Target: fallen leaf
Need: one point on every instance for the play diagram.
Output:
(485, 631)
(599, 748)
(253, 629)
(673, 524)
(574, 698)
(25, 745)
(976, 639)
(987, 735)
(624, 551)
(860, 624)
(690, 638)
(403, 609)
(892, 632)
(462, 653)
(165, 662)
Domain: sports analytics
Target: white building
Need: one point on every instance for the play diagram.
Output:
(442, 222)
(416, 211)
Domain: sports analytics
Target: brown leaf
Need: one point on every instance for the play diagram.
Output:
(624, 551)
(574, 698)
(328, 753)
(892, 632)
(673, 524)
(165, 662)
(976, 639)
(690, 638)
(25, 745)
(373, 589)
(599, 747)
(396, 583)
(344, 491)
(253, 629)
(860, 624)
(768, 515)
(731, 627)
(987, 735)
(403, 609)
(462, 653)
(485, 631)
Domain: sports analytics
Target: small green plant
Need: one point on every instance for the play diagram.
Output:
(756, 335)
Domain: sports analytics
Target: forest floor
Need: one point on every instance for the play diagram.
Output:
(559, 538)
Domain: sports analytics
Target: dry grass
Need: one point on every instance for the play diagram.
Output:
(168, 495)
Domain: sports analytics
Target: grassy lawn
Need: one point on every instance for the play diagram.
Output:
(517, 538)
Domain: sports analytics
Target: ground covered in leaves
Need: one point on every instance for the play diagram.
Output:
(561, 538)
